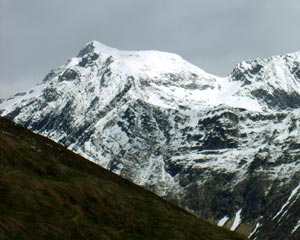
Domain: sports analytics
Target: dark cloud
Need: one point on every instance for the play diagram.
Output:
(36, 36)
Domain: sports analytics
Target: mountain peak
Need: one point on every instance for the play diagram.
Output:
(282, 58)
(146, 64)
(95, 46)
(147, 57)
(274, 80)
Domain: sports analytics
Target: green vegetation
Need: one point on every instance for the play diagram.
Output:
(48, 192)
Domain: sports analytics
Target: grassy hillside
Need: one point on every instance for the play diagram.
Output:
(48, 192)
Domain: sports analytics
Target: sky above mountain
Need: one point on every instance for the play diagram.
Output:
(36, 36)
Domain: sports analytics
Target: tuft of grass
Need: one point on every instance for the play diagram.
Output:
(48, 192)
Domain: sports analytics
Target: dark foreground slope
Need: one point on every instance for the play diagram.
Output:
(48, 192)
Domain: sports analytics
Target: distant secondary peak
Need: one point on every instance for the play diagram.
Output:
(272, 66)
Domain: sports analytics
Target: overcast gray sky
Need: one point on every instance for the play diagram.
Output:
(38, 35)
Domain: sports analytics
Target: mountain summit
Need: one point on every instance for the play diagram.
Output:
(227, 149)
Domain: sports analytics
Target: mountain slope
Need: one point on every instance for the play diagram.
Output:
(225, 148)
(48, 192)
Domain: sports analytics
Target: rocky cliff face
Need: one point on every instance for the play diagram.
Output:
(227, 149)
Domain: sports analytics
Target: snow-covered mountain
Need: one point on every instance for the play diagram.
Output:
(227, 149)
